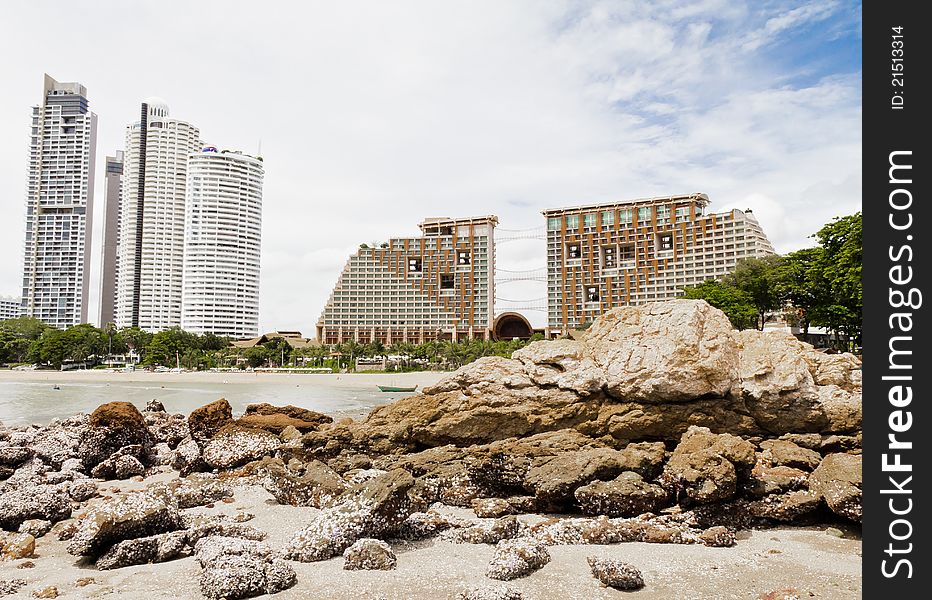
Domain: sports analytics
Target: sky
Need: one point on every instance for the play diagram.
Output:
(373, 115)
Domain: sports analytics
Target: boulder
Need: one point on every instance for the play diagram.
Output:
(491, 507)
(838, 480)
(560, 363)
(842, 370)
(17, 545)
(35, 527)
(61, 442)
(154, 406)
(139, 551)
(786, 507)
(300, 484)
(122, 465)
(277, 418)
(786, 453)
(554, 481)
(167, 428)
(488, 532)
(82, 490)
(615, 573)
(12, 456)
(421, 525)
(369, 554)
(235, 445)
(705, 467)
(112, 427)
(207, 420)
(516, 558)
(125, 516)
(234, 568)
(664, 351)
(47, 502)
(186, 458)
(765, 480)
(194, 490)
(627, 495)
(718, 537)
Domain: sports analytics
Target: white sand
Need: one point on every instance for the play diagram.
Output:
(808, 560)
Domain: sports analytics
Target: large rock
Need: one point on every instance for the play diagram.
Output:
(47, 502)
(665, 351)
(235, 568)
(235, 445)
(705, 467)
(842, 370)
(126, 516)
(12, 456)
(113, 426)
(277, 418)
(554, 481)
(167, 428)
(372, 509)
(561, 363)
(139, 551)
(300, 484)
(627, 495)
(207, 420)
(838, 480)
(487, 532)
(516, 558)
(786, 453)
(369, 554)
(615, 573)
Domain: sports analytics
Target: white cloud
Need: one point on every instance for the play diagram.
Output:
(374, 115)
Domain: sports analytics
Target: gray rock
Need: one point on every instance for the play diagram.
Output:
(82, 490)
(46, 502)
(370, 555)
(516, 558)
(151, 549)
(187, 458)
(11, 586)
(420, 525)
(490, 532)
(234, 568)
(35, 527)
(12, 456)
(235, 445)
(154, 406)
(126, 516)
(196, 489)
(627, 495)
(615, 573)
(838, 481)
(490, 593)
(300, 484)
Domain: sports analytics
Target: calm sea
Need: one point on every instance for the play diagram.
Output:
(40, 402)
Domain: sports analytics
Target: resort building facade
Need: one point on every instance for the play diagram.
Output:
(10, 307)
(152, 215)
(59, 206)
(113, 178)
(223, 234)
(439, 285)
(635, 251)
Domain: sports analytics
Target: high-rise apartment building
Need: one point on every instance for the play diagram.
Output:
(59, 205)
(10, 307)
(151, 231)
(223, 232)
(113, 177)
(631, 252)
(436, 286)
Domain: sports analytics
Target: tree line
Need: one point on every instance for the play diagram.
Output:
(818, 286)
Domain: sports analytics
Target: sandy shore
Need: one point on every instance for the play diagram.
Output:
(419, 378)
(811, 561)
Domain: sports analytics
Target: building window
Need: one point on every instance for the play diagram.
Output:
(553, 223)
(589, 220)
(624, 216)
(414, 265)
(626, 255)
(663, 214)
(682, 214)
(463, 258)
(572, 222)
(665, 242)
(643, 215)
(608, 218)
(592, 293)
(609, 257)
(446, 281)
(573, 251)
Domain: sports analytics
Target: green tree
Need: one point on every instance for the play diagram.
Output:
(800, 282)
(757, 277)
(167, 346)
(135, 339)
(737, 304)
(840, 266)
(27, 328)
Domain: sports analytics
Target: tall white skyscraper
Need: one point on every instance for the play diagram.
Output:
(59, 205)
(223, 231)
(113, 175)
(151, 229)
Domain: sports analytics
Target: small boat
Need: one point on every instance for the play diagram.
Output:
(391, 388)
(56, 387)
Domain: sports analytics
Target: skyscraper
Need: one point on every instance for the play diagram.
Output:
(223, 231)
(152, 199)
(59, 205)
(108, 254)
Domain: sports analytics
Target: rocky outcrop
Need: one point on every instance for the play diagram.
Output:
(838, 480)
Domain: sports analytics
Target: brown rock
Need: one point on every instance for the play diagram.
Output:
(112, 427)
(293, 412)
(554, 481)
(234, 445)
(17, 545)
(784, 452)
(718, 537)
(491, 507)
(838, 481)
(300, 484)
(207, 420)
(785, 507)
(705, 467)
(627, 495)
(46, 592)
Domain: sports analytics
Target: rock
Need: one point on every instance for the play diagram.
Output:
(705, 467)
(300, 484)
(234, 568)
(293, 412)
(194, 490)
(82, 490)
(786, 594)
(167, 429)
(62, 442)
(522, 504)
(126, 516)
(420, 525)
(490, 593)
(73, 465)
(554, 481)
(664, 351)
(842, 370)
(766, 480)
(17, 545)
(785, 507)
(12, 456)
(369, 554)
(838, 480)
(357, 476)
(786, 453)
(122, 464)
(207, 420)
(276, 418)
(84, 581)
(842, 409)
(561, 363)
(834, 532)
(11, 586)
(35, 527)
(46, 502)
(491, 507)
(490, 532)
(235, 445)
(516, 558)
(111, 427)
(161, 455)
(154, 406)
(186, 458)
(627, 495)
(47, 592)
(139, 551)
(373, 509)
(290, 433)
(718, 537)
(615, 573)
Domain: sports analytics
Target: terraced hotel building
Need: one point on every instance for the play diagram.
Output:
(604, 255)
(436, 286)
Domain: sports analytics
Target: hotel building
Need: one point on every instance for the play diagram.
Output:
(436, 286)
(10, 307)
(631, 252)
(108, 254)
(150, 254)
(59, 206)
(223, 232)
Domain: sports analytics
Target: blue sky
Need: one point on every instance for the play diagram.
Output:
(374, 115)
